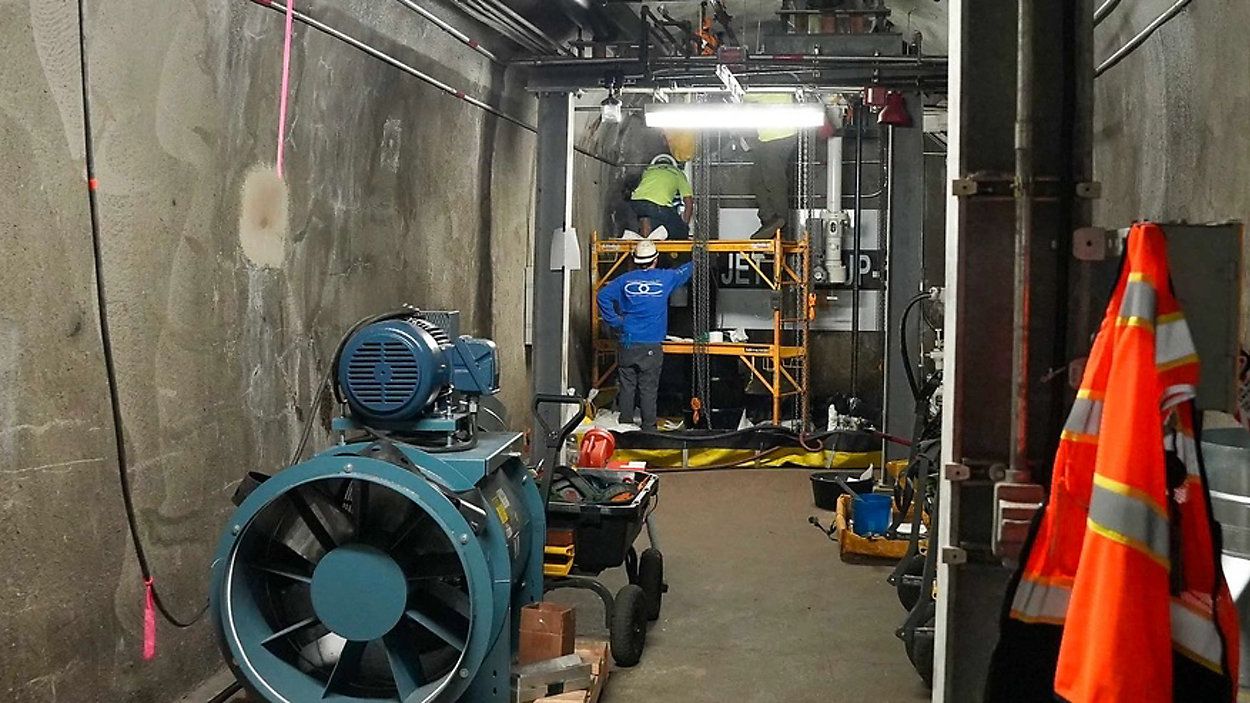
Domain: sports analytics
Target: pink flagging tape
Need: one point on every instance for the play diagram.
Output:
(149, 622)
(286, 81)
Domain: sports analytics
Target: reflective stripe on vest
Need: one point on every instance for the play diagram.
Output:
(1041, 602)
(1085, 418)
(1124, 514)
(1174, 346)
(1194, 632)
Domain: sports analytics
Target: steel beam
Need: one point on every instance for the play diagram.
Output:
(553, 212)
(979, 273)
(904, 267)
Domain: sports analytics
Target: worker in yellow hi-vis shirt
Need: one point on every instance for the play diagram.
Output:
(663, 185)
(770, 177)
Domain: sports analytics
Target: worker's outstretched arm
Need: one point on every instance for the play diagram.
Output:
(682, 274)
(688, 211)
(609, 297)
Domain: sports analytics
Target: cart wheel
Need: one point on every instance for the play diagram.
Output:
(629, 625)
(909, 582)
(920, 652)
(919, 642)
(651, 579)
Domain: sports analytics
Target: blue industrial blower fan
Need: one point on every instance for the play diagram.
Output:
(392, 566)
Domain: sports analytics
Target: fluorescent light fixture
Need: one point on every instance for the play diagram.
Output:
(611, 110)
(696, 116)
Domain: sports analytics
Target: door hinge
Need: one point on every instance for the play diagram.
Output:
(956, 472)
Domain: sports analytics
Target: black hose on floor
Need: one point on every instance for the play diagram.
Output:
(226, 693)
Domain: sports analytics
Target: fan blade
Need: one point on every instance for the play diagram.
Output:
(448, 597)
(431, 566)
(360, 502)
(409, 527)
(437, 629)
(346, 668)
(284, 573)
(284, 541)
(288, 631)
(310, 520)
(405, 662)
(325, 519)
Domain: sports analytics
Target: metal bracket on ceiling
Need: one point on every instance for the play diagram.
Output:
(730, 81)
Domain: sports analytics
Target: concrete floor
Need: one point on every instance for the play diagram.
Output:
(760, 609)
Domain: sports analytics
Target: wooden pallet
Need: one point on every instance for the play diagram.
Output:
(597, 654)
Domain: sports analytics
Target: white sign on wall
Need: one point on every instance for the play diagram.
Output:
(748, 308)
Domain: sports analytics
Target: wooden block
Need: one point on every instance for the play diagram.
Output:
(598, 654)
(547, 632)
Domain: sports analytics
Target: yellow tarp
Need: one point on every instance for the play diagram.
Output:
(711, 457)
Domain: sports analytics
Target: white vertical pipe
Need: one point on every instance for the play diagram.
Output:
(833, 167)
(566, 322)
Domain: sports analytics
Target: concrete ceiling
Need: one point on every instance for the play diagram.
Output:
(929, 17)
(559, 18)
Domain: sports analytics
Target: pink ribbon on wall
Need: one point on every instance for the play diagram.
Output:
(286, 81)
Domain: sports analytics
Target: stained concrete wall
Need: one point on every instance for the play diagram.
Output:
(226, 291)
(1171, 137)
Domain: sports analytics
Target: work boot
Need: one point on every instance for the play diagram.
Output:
(769, 229)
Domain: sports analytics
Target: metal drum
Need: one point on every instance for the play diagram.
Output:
(1226, 454)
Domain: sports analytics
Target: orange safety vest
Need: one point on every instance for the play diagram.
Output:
(1121, 596)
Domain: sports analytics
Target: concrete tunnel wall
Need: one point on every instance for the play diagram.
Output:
(1171, 141)
(226, 295)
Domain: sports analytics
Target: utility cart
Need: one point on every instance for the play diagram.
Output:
(597, 532)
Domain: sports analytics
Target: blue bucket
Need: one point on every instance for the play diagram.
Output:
(872, 514)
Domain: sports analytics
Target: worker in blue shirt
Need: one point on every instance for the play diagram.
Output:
(635, 306)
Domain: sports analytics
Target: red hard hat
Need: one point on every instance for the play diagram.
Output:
(596, 448)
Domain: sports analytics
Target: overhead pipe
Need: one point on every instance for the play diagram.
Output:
(491, 17)
(509, 32)
(386, 58)
(1141, 37)
(519, 21)
(443, 25)
(1019, 462)
(657, 27)
(1104, 11)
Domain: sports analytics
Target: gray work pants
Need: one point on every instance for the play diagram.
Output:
(638, 373)
(770, 178)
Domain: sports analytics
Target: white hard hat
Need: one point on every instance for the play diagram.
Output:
(665, 157)
(645, 252)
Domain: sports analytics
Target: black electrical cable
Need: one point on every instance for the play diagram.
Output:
(784, 432)
(106, 343)
(907, 367)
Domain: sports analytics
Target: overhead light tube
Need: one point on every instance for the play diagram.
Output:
(744, 116)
